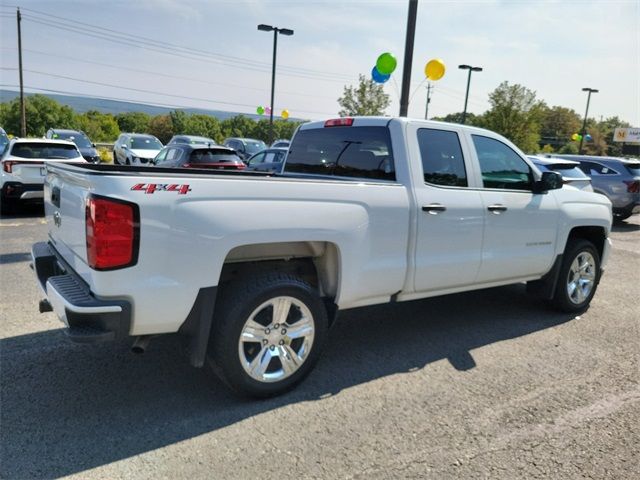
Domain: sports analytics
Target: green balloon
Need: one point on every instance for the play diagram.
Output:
(260, 110)
(386, 63)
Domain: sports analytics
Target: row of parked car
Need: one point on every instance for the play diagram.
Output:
(23, 170)
(188, 151)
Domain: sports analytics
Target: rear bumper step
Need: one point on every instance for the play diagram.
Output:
(89, 319)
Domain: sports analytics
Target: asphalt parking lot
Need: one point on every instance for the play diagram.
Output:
(488, 384)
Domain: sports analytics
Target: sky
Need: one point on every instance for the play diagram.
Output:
(209, 53)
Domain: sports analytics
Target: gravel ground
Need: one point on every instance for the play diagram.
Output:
(489, 384)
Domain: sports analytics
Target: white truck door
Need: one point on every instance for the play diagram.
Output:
(450, 215)
(520, 226)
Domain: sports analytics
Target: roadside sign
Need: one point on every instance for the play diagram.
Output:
(631, 135)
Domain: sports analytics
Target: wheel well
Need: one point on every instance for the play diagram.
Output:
(595, 235)
(317, 263)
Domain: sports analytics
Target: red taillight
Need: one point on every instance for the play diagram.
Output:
(112, 228)
(339, 122)
(633, 186)
(8, 166)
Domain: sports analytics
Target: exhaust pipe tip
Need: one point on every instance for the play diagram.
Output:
(140, 344)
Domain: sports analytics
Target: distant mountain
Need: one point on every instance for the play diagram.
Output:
(84, 104)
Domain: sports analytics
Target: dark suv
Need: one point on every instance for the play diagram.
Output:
(86, 147)
(245, 147)
(616, 178)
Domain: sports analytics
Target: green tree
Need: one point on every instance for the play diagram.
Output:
(179, 121)
(368, 98)
(99, 127)
(238, 126)
(203, 125)
(42, 113)
(161, 126)
(471, 119)
(133, 122)
(557, 124)
(607, 127)
(515, 113)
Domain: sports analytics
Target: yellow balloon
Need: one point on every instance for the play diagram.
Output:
(285, 114)
(434, 69)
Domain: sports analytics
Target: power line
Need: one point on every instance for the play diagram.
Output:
(65, 23)
(177, 77)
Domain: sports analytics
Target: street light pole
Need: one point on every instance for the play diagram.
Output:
(466, 97)
(584, 123)
(276, 31)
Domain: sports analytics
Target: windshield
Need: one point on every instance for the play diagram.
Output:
(145, 143)
(212, 155)
(80, 140)
(45, 151)
(201, 141)
(254, 147)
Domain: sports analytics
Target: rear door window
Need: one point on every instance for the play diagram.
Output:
(442, 160)
(354, 152)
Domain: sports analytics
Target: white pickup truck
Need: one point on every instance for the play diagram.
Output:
(252, 268)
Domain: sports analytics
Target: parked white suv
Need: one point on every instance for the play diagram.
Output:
(135, 149)
(23, 167)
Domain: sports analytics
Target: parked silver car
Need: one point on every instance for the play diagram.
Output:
(570, 170)
(617, 178)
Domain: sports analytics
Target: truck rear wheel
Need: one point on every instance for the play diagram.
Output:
(267, 334)
(579, 276)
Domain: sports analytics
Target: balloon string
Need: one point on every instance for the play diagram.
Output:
(417, 88)
(395, 84)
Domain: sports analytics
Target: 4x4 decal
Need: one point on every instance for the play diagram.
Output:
(150, 188)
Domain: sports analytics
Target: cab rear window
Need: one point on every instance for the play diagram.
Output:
(355, 152)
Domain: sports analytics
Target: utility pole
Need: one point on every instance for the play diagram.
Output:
(426, 112)
(23, 115)
(408, 57)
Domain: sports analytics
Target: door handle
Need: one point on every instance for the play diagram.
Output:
(433, 208)
(497, 209)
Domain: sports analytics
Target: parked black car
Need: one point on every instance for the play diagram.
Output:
(269, 160)
(87, 147)
(192, 140)
(198, 156)
(245, 147)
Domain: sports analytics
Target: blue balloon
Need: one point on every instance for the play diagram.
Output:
(379, 77)
(588, 137)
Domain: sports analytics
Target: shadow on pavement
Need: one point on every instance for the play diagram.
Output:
(69, 408)
(14, 257)
(29, 210)
(625, 227)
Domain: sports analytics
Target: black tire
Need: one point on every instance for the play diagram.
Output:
(577, 302)
(115, 159)
(236, 303)
(126, 162)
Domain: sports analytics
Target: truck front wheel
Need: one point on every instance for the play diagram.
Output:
(579, 276)
(267, 334)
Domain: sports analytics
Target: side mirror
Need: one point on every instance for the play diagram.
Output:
(124, 147)
(548, 181)
(93, 145)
